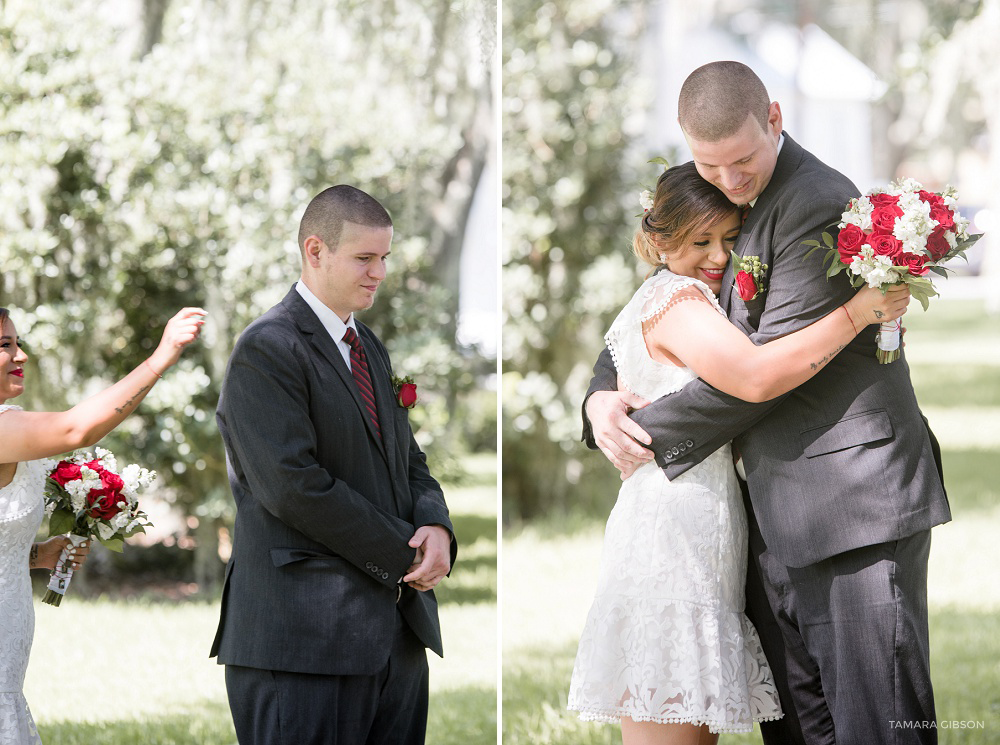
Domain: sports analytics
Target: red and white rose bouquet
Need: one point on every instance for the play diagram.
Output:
(895, 235)
(88, 497)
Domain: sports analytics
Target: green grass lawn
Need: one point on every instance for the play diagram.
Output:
(549, 570)
(137, 672)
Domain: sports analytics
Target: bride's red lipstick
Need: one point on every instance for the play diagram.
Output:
(19, 372)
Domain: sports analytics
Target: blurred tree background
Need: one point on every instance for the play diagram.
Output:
(158, 153)
(578, 93)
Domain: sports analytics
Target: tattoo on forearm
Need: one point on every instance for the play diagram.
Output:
(834, 353)
(129, 402)
(878, 313)
(33, 556)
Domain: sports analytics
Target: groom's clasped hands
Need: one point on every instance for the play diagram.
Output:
(433, 560)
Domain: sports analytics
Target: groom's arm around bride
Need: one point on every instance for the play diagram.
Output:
(341, 531)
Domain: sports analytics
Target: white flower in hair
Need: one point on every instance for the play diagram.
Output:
(662, 256)
(646, 199)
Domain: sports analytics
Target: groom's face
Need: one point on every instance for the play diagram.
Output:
(740, 165)
(350, 274)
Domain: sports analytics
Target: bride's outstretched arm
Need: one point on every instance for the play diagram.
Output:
(697, 335)
(28, 435)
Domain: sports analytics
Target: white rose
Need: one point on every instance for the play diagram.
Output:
(646, 199)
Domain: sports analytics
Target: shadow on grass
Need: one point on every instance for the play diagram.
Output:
(474, 578)
(464, 716)
(972, 478)
(208, 724)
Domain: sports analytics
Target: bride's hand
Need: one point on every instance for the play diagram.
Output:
(180, 331)
(46, 555)
(869, 305)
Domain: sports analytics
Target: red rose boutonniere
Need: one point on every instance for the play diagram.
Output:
(749, 274)
(406, 391)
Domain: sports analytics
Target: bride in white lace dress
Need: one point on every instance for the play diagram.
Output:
(25, 437)
(667, 649)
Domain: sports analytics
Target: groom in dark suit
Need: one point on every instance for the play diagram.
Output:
(341, 531)
(842, 474)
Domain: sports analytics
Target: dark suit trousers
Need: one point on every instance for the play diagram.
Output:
(847, 642)
(271, 707)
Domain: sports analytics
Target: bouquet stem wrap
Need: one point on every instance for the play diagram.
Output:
(888, 342)
(63, 573)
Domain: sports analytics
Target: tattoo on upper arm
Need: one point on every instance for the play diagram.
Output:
(33, 556)
(129, 402)
(827, 358)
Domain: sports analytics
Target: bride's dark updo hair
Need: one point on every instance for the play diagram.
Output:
(683, 204)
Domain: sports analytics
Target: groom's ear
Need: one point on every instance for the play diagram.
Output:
(311, 250)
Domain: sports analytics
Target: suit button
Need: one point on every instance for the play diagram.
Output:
(668, 455)
(683, 447)
(385, 575)
(368, 565)
(690, 443)
(374, 569)
(675, 451)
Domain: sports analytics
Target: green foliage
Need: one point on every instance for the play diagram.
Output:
(132, 187)
(571, 107)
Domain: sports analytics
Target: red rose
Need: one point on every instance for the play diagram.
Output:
(65, 472)
(104, 503)
(746, 286)
(112, 481)
(883, 200)
(884, 218)
(937, 245)
(849, 242)
(944, 216)
(407, 396)
(886, 245)
(931, 198)
(913, 262)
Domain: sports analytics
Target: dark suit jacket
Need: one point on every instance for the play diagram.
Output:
(846, 459)
(324, 507)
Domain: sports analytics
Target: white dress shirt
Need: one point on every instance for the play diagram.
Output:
(330, 320)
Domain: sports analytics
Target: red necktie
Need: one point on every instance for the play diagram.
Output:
(359, 369)
(745, 213)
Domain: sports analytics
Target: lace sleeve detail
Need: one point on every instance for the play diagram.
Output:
(9, 407)
(664, 295)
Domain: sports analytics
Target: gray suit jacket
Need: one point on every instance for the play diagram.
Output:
(846, 459)
(325, 508)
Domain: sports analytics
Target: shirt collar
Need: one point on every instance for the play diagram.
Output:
(330, 320)
(781, 141)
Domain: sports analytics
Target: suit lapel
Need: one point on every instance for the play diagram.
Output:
(385, 395)
(328, 349)
(788, 161)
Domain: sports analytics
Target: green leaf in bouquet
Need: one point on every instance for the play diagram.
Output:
(827, 239)
(835, 269)
(116, 543)
(922, 289)
(939, 270)
(136, 529)
(660, 161)
(61, 521)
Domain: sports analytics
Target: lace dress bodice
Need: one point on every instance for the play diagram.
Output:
(21, 512)
(666, 639)
(651, 379)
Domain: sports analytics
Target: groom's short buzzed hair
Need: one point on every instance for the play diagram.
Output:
(716, 98)
(331, 208)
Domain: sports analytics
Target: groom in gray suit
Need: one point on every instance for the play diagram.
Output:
(843, 479)
(341, 531)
